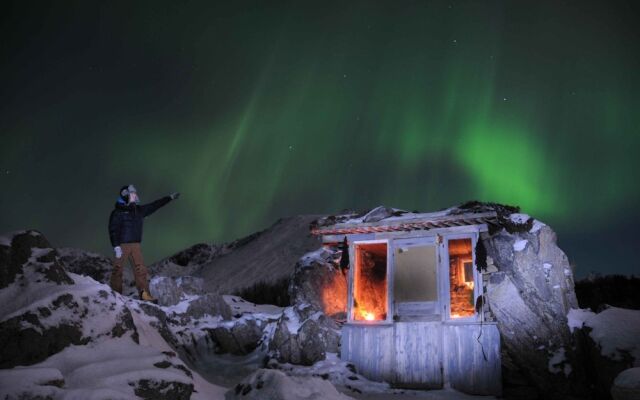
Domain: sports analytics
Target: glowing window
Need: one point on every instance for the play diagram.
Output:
(461, 282)
(370, 282)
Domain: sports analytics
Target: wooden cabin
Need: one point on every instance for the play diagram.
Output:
(415, 315)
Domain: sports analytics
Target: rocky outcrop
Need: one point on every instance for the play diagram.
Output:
(530, 290)
(44, 310)
(238, 337)
(276, 385)
(318, 281)
(171, 290)
(304, 335)
(29, 253)
(55, 325)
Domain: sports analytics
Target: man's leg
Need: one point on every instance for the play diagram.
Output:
(116, 274)
(140, 271)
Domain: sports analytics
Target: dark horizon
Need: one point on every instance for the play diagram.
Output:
(257, 111)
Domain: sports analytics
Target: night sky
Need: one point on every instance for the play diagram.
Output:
(257, 110)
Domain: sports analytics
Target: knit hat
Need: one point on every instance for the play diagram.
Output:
(125, 190)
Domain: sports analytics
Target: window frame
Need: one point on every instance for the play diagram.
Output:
(430, 240)
(446, 284)
(352, 268)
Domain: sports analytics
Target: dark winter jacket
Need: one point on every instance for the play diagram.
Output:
(125, 222)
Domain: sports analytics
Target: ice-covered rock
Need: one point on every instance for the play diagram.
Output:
(530, 290)
(318, 281)
(269, 384)
(304, 335)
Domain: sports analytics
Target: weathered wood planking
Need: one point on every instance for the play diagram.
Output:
(370, 349)
(426, 355)
(418, 353)
(464, 364)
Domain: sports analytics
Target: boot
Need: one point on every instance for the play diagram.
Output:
(146, 296)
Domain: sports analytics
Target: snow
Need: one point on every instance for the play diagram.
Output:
(518, 218)
(319, 256)
(537, 225)
(519, 245)
(577, 317)
(241, 306)
(359, 387)
(628, 379)
(615, 330)
(292, 321)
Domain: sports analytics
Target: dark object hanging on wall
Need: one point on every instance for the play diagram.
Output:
(344, 259)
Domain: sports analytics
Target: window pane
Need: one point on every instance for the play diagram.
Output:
(370, 282)
(415, 274)
(461, 278)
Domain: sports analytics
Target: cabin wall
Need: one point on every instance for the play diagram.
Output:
(427, 355)
(465, 366)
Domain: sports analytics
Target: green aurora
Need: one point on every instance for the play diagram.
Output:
(257, 110)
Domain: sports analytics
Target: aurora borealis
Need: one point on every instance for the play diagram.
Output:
(258, 110)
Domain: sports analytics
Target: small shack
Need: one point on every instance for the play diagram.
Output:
(415, 311)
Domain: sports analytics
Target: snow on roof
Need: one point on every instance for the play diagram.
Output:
(382, 219)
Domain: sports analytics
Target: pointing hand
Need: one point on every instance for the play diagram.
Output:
(174, 195)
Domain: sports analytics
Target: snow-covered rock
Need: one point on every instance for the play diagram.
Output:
(66, 336)
(626, 386)
(171, 290)
(269, 384)
(530, 290)
(318, 281)
(96, 266)
(304, 335)
(610, 343)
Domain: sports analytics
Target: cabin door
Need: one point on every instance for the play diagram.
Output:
(417, 330)
(415, 279)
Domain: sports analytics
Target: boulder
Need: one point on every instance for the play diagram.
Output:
(269, 384)
(609, 342)
(530, 290)
(318, 281)
(626, 386)
(304, 335)
(171, 290)
(238, 337)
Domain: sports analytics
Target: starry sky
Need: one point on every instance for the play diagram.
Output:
(256, 110)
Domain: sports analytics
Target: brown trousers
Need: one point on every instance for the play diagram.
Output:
(132, 252)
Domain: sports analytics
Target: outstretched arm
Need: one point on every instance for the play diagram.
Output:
(114, 228)
(150, 208)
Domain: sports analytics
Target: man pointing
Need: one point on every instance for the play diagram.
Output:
(125, 232)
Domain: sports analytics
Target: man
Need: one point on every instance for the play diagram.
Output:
(125, 232)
